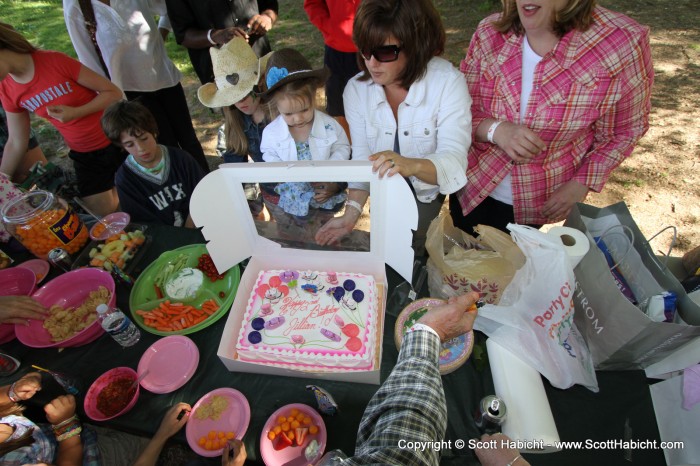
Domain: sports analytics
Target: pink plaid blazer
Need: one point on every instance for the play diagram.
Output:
(590, 104)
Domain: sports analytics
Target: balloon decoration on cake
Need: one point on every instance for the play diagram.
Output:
(273, 291)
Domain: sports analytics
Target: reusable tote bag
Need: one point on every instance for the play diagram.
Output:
(535, 316)
(620, 335)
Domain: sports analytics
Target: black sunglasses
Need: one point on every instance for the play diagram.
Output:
(383, 53)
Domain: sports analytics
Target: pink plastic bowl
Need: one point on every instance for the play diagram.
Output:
(117, 221)
(14, 282)
(69, 290)
(98, 385)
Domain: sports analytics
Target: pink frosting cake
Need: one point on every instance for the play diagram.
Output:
(312, 321)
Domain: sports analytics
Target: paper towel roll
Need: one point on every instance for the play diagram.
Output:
(529, 417)
(575, 243)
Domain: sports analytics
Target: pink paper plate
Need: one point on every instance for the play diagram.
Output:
(39, 266)
(235, 419)
(292, 455)
(170, 362)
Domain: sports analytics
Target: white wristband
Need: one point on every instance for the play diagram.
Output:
(211, 41)
(492, 130)
(426, 328)
(354, 204)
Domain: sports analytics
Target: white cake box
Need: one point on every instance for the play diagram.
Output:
(219, 206)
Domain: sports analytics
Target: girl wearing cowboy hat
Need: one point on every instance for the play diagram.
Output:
(237, 72)
(301, 132)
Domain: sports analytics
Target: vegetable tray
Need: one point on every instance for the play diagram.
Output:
(145, 297)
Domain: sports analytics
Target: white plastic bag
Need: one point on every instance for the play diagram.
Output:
(535, 316)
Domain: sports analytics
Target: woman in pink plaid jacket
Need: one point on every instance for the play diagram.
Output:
(561, 94)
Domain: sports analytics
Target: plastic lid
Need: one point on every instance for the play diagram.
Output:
(26, 206)
(102, 308)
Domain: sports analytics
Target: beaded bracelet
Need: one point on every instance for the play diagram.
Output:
(65, 421)
(64, 429)
(71, 433)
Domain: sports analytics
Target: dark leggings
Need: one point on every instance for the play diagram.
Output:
(343, 66)
(169, 107)
(490, 212)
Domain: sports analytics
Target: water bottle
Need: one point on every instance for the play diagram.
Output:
(119, 326)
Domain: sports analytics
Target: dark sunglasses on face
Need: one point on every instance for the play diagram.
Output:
(383, 53)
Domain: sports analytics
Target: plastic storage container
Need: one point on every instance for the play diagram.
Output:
(119, 326)
(41, 222)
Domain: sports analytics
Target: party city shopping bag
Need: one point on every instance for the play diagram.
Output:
(619, 334)
(460, 263)
(535, 316)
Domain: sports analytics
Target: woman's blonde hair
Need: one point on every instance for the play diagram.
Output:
(13, 41)
(576, 14)
(236, 139)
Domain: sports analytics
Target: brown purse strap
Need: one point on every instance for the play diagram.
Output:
(91, 26)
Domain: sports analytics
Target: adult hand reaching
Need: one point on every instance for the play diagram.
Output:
(518, 141)
(336, 228)
(259, 25)
(18, 309)
(454, 318)
(559, 204)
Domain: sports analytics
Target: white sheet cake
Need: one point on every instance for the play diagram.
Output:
(314, 321)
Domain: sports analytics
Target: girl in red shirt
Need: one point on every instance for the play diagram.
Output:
(71, 97)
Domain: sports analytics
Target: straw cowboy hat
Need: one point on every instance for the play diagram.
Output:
(287, 65)
(236, 71)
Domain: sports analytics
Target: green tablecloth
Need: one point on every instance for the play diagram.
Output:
(579, 414)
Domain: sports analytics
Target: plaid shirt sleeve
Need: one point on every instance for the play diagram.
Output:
(409, 406)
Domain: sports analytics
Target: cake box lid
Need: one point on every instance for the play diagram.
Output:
(219, 206)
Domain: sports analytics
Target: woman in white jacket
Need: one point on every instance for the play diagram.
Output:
(408, 110)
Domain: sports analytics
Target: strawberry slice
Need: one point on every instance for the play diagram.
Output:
(300, 434)
(282, 441)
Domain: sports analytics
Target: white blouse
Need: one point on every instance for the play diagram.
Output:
(129, 40)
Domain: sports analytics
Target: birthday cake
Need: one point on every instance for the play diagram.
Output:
(313, 321)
